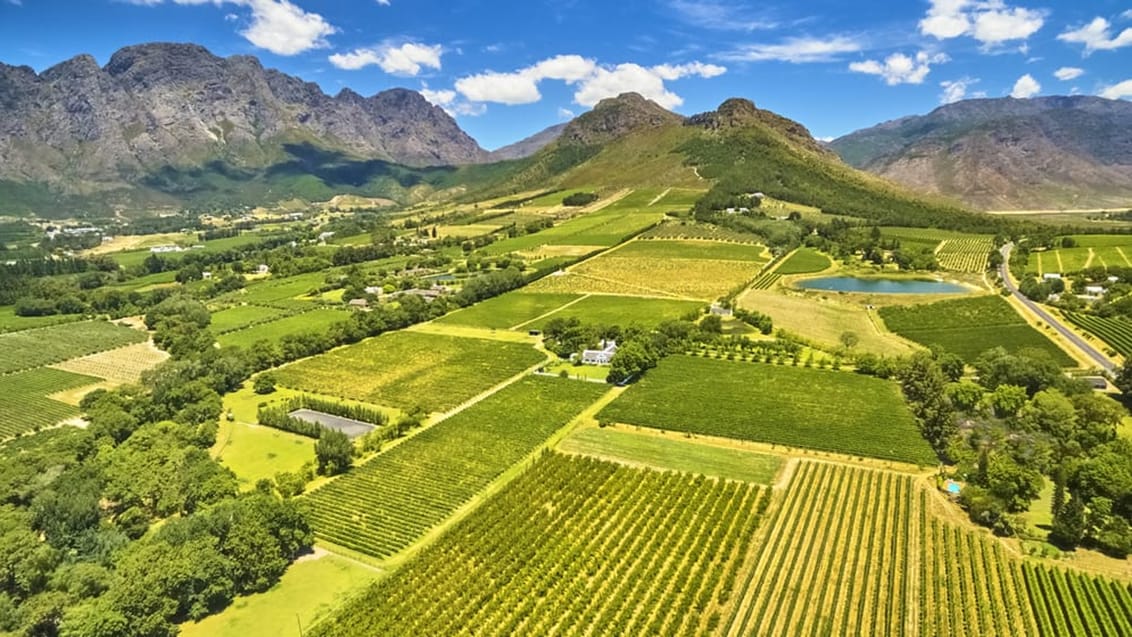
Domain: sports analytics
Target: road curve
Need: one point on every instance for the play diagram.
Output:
(1100, 359)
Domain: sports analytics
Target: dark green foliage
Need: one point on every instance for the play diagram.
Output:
(265, 384)
(334, 452)
(579, 199)
(924, 386)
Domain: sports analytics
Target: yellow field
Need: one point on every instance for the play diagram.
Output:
(700, 279)
(824, 321)
(122, 365)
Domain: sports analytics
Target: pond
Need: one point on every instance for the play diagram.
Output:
(881, 286)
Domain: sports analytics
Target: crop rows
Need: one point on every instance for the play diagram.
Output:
(965, 255)
(384, 505)
(35, 348)
(766, 281)
(575, 546)
(854, 551)
(698, 231)
(24, 405)
(1116, 332)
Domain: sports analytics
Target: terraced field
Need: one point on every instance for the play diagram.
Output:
(386, 504)
(830, 411)
(24, 405)
(35, 348)
(574, 547)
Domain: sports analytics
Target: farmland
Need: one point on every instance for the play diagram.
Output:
(317, 320)
(35, 348)
(574, 547)
(508, 310)
(824, 410)
(669, 453)
(855, 551)
(824, 320)
(804, 261)
(11, 322)
(969, 327)
(624, 310)
(241, 316)
(697, 231)
(965, 255)
(24, 402)
(122, 365)
(1089, 251)
(714, 250)
(1116, 332)
(384, 505)
(408, 369)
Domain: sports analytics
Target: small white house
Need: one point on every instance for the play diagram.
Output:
(719, 310)
(375, 290)
(1113, 279)
(601, 356)
(1051, 276)
(206, 275)
(262, 269)
(1094, 290)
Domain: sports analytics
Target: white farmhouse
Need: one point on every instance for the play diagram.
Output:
(601, 356)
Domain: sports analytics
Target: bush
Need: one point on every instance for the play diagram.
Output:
(580, 199)
(265, 384)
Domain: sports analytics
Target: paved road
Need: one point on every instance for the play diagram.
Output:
(1101, 360)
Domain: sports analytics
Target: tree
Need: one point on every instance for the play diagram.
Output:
(631, 360)
(1123, 380)
(925, 389)
(849, 340)
(712, 324)
(1068, 528)
(334, 451)
(265, 384)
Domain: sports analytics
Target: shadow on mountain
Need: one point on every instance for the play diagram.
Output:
(337, 169)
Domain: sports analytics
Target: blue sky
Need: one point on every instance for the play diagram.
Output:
(508, 68)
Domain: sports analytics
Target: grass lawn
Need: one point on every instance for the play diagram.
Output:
(672, 453)
(405, 369)
(824, 320)
(253, 452)
(804, 261)
(825, 410)
(309, 591)
(314, 321)
(508, 310)
(234, 318)
(624, 310)
(579, 372)
(969, 327)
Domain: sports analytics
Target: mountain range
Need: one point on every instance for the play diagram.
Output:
(997, 154)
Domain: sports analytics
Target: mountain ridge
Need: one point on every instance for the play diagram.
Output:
(1006, 153)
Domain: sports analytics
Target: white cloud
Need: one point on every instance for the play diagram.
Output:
(278, 26)
(991, 22)
(1025, 87)
(1067, 73)
(450, 102)
(796, 50)
(720, 16)
(1120, 91)
(1097, 36)
(439, 98)
(384, 3)
(594, 81)
(899, 68)
(565, 113)
(405, 59)
(1127, 15)
(956, 90)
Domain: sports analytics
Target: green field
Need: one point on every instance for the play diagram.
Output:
(36, 348)
(573, 547)
(407, 369)
(804, 261)
(676, 249)
(386, 504)
(860, 552)
(24, 405)
(965, 255)
(1116, 332)
(313, 321)
(969, 327)
(603, 228)
(11, 322)
(508, 310)
(604, 309)
(240, 316)
(825, 410)
(255, 453)
(309, 591)
(672, 454)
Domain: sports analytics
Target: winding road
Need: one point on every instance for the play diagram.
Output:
(1101, 360)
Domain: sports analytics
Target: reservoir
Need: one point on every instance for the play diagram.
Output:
(881, 286)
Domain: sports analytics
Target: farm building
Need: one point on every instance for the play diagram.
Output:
(719, 310)
(358, 304)
(263, 269)
(601, 356)
(1051, 276)
(1094, 290)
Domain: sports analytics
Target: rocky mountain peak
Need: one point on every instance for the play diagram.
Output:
(615, 117)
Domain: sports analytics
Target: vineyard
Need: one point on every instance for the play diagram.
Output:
(825, 410)
(604, 309)
(386, 504)
(969, 327)
(316, 320)
(702, 231)
(855, 551)
(1116, 332)
(35, 348)
(408, 369)
(715, 250)
(241, 316)
(508, 310)
(24, 404)
(766, 281)
(574, 547)
(122, 365)
(965, 255)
